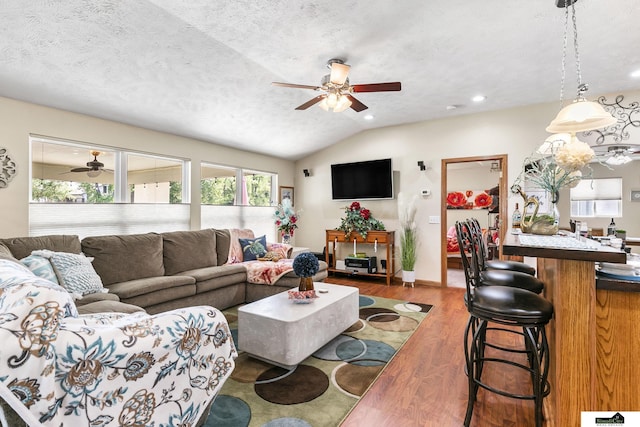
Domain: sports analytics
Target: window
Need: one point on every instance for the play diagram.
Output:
(82, 189)
(600, 197)
(70, 172)
(219, 186)
(154, 179)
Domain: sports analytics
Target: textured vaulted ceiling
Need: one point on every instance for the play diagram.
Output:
(203, 68)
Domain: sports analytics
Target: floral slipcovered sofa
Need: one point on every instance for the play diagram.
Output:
(60, 368)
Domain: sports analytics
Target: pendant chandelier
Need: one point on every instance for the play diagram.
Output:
(581, 115)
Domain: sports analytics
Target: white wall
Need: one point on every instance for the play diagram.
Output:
(19, 119)
(517, 132)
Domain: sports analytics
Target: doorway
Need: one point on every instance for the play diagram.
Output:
(470, 175)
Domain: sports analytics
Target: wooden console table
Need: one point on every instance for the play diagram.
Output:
(593, 337)
(381, 238)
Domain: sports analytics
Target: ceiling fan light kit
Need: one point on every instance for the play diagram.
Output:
(337, 95)
(618, 159)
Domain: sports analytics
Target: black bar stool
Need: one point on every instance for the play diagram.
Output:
(510, 307)
(497, 264)
(491, 277)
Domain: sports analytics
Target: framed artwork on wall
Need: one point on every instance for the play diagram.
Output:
(286, 193)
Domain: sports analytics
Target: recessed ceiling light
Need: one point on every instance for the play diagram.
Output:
(368, 117)
(635, 74)
(452, 107)
(478, 98)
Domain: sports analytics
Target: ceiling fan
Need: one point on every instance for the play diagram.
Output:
(616, 155)
(94, 167)
(337, 92)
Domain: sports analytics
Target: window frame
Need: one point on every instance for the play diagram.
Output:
(591, 204)
(120, 167)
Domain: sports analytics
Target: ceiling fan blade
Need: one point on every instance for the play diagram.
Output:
(339, 73)
(356, 105)
(377, 87)
(311, 102)
(295, 86)
(80, 170)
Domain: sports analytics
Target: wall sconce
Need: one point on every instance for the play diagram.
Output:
(306, 172)
(421, 165)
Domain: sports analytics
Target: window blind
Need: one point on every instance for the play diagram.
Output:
(86, 219)
(597, 189)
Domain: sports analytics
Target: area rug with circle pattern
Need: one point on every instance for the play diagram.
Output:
(323, 389)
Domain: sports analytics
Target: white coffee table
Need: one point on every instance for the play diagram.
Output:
(276, 330)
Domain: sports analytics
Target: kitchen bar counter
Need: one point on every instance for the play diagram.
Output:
(594, 337)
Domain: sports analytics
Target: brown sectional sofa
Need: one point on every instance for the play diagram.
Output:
(160, 271)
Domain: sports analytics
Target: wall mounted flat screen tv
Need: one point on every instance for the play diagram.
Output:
(371, 179)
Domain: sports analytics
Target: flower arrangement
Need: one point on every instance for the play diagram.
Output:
(286, 218)
(556, 168)
(408, 233)
(306, 264)
(358, 219)
(556, 165)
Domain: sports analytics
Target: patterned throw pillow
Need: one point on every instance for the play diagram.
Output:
(41, 267)
(75, 272)
(253, 249)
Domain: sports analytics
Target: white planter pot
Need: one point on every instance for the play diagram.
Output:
(408, 277)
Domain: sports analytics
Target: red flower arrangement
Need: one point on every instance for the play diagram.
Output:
(359, 219)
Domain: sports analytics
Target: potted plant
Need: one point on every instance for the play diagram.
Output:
(408, 238)
(305, 266)
(359, 219)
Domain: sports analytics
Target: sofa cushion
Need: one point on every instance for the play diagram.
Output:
(41, 267)
(74, 272)
(223, 241)
(96, 297)
(122, 258)
(235, 251)
(108, 306)
(138, 287)
(188, 250)
(252, 249)
(21, 247)
(207, 273)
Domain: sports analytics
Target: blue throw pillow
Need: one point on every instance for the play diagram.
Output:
(41, 267)
(253, 249)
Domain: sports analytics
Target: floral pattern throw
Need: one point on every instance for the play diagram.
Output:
(60, 368)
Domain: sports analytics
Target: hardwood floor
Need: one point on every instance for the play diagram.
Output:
(425, 384)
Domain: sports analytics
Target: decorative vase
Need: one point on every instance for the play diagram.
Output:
(306, 284)
(543, 224)
(286, 239)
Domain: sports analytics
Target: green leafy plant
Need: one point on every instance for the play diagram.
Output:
(408, 233)
(359, 219)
